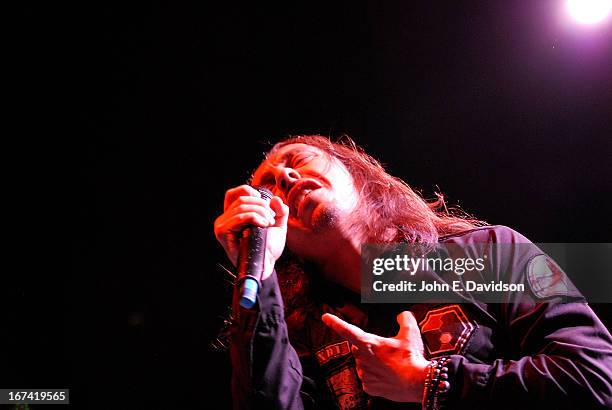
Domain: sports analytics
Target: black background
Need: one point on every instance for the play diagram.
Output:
(139, 117)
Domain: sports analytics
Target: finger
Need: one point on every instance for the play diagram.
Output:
(357, 353)
(364, 373)
(366, 361)
(228, 239)
(365, 388)
(263, 211)
(369, 368)
(229, 228)
(349, 332)
(360, 373)
(364, 352)
(248, 200)
(374, 389)
(408, 326)
(243, 190)
(370, 388)
(281, 210)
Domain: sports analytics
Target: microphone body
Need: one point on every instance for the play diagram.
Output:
(251, 256)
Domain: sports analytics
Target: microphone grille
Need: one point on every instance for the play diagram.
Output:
(265, 193)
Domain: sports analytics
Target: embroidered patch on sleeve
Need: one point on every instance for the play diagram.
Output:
(546, 279)
(446, 330)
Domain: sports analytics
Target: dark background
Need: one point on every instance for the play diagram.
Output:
(159, 108)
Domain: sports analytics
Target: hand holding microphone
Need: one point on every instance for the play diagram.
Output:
(244, 210)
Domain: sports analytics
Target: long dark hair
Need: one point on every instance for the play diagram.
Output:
(389, 211)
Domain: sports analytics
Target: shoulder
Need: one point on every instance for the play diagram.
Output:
(515, 258)
(508, 253)
(486, 234)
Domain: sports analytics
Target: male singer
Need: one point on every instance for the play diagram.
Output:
(309, 342)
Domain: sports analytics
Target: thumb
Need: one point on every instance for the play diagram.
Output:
(408, 327)
(281, 210)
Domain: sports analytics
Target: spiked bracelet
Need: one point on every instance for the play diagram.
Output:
(436, 384)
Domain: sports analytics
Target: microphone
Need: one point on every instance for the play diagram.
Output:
(251, 253)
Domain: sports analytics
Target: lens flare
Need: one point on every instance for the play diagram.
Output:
(589, 11)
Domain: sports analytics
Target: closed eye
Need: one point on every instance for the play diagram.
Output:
(301, 160)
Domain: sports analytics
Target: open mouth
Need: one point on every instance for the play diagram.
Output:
(298, 193)
(299, 200)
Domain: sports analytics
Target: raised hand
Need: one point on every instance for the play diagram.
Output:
(243, 206)
(393, 368)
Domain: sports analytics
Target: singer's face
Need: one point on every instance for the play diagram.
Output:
(317, 188)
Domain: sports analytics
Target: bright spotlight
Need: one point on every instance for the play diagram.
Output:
(589, 11)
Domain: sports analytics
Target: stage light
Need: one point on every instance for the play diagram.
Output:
(589, 11)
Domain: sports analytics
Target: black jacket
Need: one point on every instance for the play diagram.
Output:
(538, 347)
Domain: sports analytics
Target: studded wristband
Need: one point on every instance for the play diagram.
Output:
(436, 384)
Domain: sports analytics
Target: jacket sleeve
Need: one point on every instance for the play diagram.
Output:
(551, 349)
(562, 359)
(266, 370)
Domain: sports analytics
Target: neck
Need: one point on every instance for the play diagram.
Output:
(342, 264)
